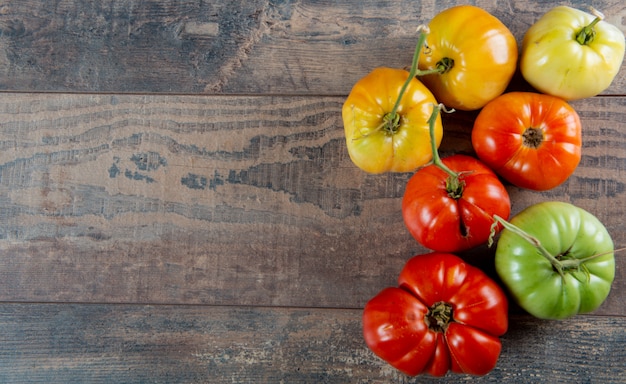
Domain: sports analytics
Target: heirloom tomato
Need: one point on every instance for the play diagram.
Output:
(445, 315)
(448, 206)
(470, 55)
(530, 139)
(381, 137)
(571, 54)
(556, 260)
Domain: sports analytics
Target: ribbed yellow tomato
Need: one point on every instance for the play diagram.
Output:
(571, 54)
(379, 142)
(472, 54)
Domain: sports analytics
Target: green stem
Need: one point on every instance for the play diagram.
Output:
(557, 264)
(586, 35)
(574, 263)
(423, 30)
(454, 183)
(431, 126)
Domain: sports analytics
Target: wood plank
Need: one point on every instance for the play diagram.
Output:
(192, 344)
(230, 47)
(230, 200)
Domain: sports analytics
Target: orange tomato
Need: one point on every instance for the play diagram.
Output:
(530, 139)
(473, 56)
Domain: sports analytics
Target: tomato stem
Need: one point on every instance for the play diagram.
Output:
(442, 67)
(433, 143)
(454, 182)
(423, 31)
(556, 264)
(586, 35)
(559, 265)
(574, 263)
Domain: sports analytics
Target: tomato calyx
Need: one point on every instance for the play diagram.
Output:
(586, 35)
(532, 137)
(439, 316)
(455, 186)
(391, 123)
(444, 65)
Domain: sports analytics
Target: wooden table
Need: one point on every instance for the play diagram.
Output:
(177, 204)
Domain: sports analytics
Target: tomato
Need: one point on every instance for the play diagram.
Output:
(571, 54)
(530, 139)
(472, 54)
(556, 260)
(376, 141)
(449, 214)
(445, 315)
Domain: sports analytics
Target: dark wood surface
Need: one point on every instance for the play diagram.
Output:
(177, 203)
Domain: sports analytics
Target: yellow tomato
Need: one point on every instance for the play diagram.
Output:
(379, 142)
(473, 55)
(555, 62)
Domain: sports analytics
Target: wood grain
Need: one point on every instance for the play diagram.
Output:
(196, 344)
(226, 47)
(177, 204)
(230, 200)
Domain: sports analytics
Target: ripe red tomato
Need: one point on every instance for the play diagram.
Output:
(445, 315)
(446, 217)
(530, 139)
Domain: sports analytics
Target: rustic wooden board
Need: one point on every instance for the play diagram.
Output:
(230, 200)
(236, 46)
(193, 344)
(177, 204)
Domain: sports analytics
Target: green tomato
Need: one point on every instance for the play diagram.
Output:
(571, 54)
(556, 260)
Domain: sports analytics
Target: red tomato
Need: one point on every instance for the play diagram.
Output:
(445, 315)
(449, 218)
(530, 139)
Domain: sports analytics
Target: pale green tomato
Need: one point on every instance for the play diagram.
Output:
(563, 56)
(569, 272)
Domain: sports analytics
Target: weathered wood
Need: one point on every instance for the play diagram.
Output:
(234, 211)
(239, 46)
(193, 344)
(230, 200)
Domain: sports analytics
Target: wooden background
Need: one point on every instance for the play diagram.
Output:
(177, 204)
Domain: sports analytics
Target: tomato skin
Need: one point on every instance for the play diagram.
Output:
(396, 329)
(392, 330)
(484, 53)
(554, 62)
(375, 150)
(500, 139)
(567, 232)
(447, 224)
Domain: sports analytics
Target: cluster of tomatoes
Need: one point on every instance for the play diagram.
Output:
(555, 259)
